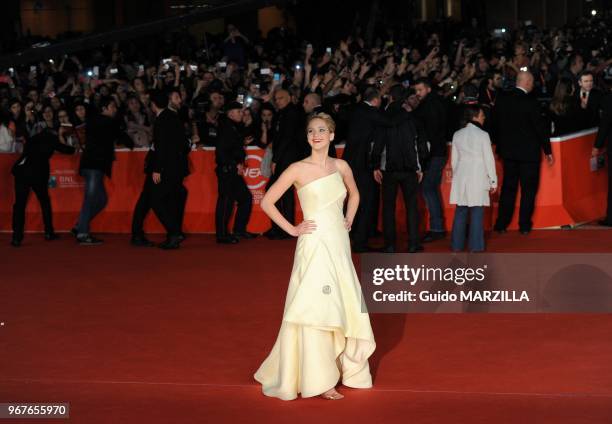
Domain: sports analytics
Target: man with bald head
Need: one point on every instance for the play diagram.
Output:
(287, 125)
(521, 135)
(312, 103)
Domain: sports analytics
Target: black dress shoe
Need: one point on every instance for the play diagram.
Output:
(51, 236)
(525, 232)
(141, 241)
(499, 230)
(415, 249)
(388, 249)
(88, 240)
(605, 223)
(181, 237)
(271, 233)
(170, 243)
(433, 236)
(227, 240)
(15, 242)
(245, 235)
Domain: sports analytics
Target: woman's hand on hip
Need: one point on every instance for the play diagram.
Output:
(348, 223)
(305, 227)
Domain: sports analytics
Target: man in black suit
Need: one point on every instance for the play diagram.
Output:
(102, 132)
(366, 125)
(396, 160)
(230, 157)
(589, 99)
(31, 172)
(520, 134)
(166, 165)
(604, 135)
(175, 104)
(285, 151)
(432, 112)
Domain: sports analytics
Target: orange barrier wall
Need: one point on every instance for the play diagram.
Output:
(569, 192)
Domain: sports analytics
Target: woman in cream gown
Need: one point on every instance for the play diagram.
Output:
(325, 334)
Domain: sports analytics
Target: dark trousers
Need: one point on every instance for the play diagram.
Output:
(366, 185)
(432, 177)
(528, 175)
(376, 205)
(94, 199)
(408, 183)
(182, 203)
(232, 188)
(39, 186)
(166, 201)
(608, 217)
(286, 203)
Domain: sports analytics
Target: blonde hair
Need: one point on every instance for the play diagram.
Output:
(329, 122)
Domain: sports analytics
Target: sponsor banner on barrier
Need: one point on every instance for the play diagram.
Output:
(65, 178)
(255, 181)
(487, 282)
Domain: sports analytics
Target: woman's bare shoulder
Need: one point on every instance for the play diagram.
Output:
(298, 170)
(341, 165)
(298, 167)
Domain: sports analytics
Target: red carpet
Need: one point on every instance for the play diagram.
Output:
(129, 335)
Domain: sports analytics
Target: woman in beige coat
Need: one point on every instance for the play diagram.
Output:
(474, 177)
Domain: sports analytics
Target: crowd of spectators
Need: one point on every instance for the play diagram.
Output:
(465, 64)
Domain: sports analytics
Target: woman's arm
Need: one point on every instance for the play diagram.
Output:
(284, 182)
(351, 188)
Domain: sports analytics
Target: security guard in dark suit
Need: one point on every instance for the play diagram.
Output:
(521, 135)
(604, 135)
(230, 157)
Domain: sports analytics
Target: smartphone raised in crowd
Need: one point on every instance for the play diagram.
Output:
(276, 77)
